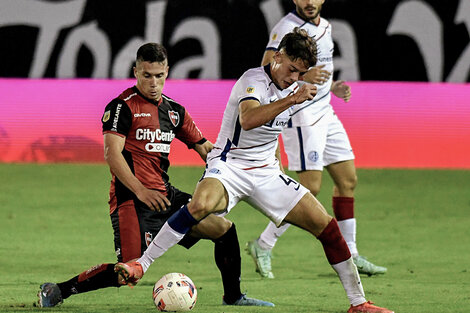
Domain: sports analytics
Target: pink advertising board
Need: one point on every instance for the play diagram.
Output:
(398, 125)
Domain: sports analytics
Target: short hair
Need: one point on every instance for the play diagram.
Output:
(151, 52)
(299, 45)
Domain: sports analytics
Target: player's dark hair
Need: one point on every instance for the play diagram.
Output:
(299, 45)
(151, 52)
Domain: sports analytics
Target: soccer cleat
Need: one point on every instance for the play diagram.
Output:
(49, 295)
(366, 267)
(129, 273)
(261, 257)
(245, 301)
(368, 307)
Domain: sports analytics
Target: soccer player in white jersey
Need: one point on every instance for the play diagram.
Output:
(243, 166)
(315, 139)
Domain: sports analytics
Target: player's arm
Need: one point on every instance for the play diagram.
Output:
(253, 114)
(341, 90)
(203, 148)
(113, 146)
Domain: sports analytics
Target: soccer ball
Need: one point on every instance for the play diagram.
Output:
(174, 292)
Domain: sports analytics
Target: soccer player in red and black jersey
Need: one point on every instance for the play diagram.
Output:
(138, 128)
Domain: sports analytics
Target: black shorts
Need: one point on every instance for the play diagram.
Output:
(135, 225)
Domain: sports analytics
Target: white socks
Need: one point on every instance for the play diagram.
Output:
(347, 272)
(166, 238)
(348, 230)
(269, 236)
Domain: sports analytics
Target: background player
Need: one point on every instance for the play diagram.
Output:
(315, 138)
(138, 128)
(243, 166)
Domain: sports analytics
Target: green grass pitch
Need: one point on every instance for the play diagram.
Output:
(54, 223)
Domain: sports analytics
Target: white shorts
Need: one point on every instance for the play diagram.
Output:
(313, 147)
(267, 189)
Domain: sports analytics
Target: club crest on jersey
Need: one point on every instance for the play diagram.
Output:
(174, 117)
(148, 238)
(106, 116)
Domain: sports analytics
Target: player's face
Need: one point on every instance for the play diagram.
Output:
(309, 9)
(286, 71)
(151, 78)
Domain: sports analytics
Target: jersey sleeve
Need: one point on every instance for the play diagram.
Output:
(189, 133)
(117, 118)
(251, 88)
(276, 35)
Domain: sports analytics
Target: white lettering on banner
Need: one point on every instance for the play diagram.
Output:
(461, 69)
(158, 147)
(155, 16)
(348, 62)
(412, 18)
(50, 18)
(95, 40)
(419, 21)
(206, 32)
(152, 136)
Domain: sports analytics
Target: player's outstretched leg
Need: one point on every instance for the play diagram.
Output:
(129, 273)
(49, 295)
(245, 301)
(261, 257)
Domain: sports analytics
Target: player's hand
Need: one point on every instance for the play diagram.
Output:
(306, 92)
(317, 75)
(341, 90)
(154, 199)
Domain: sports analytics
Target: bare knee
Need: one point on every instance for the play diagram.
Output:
(345, 187)
(311, 180)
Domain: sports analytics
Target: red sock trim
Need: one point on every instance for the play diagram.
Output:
(336, 249)
(343, 208)
(92, 272)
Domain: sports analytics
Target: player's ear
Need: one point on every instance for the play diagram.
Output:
(135, 71)
(277, 57)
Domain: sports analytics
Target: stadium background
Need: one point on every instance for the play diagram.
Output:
(408, 63)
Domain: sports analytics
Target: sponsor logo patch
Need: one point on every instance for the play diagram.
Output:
(142, 115)
(157, 147)
(274, 37)
(250, 89)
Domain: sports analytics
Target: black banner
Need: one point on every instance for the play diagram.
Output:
(390, 40)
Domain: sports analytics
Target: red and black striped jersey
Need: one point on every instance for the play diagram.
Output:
(149, 129)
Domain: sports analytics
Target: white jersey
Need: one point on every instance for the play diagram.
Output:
(309, 112)
(255, 147)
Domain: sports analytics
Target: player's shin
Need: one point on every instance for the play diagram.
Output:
(344, 213)
(338, 255)
(227, 258)
(97, 277)
(169, 235)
